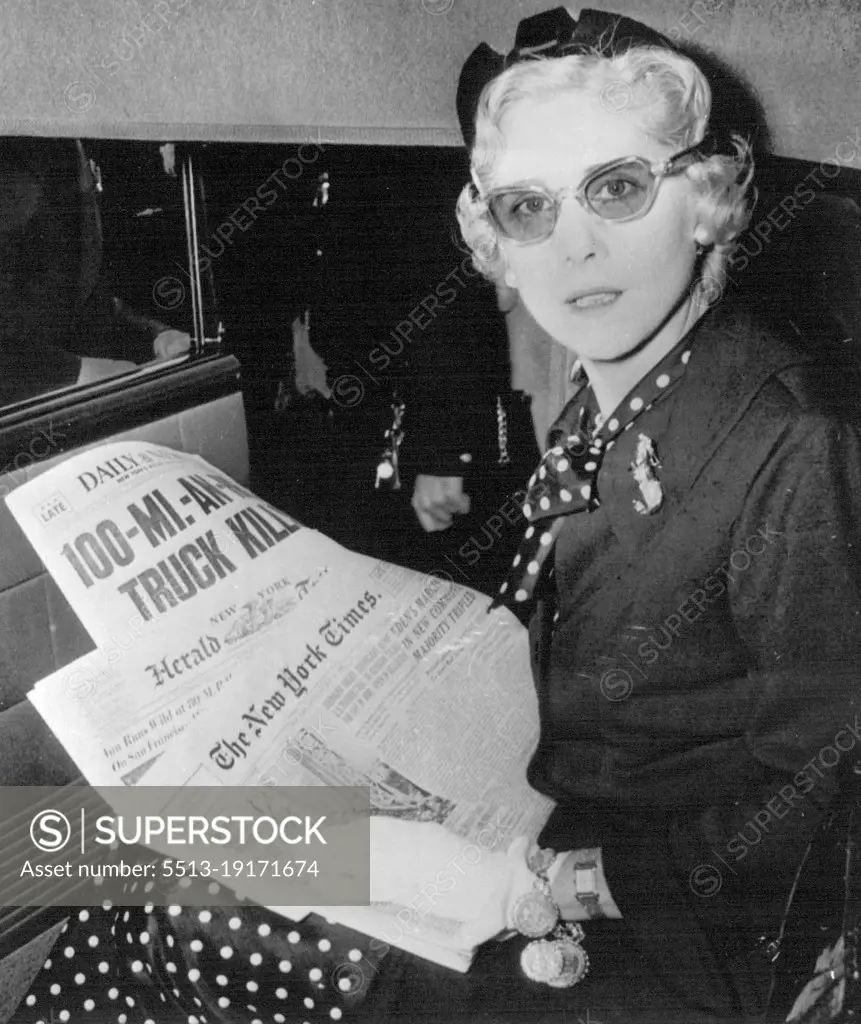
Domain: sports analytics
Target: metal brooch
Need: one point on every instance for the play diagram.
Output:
(643, 467)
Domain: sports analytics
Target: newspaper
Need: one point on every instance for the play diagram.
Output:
(299, 662)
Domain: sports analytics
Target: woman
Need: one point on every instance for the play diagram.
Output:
(692, 543)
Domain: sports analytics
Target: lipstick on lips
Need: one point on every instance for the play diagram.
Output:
(594, 298)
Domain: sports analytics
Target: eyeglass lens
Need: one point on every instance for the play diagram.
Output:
(615, 194)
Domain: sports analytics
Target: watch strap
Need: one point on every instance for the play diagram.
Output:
(586, 886)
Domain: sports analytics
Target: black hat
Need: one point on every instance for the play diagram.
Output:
(551, 34)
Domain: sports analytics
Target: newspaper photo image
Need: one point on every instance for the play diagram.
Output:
(236, 647)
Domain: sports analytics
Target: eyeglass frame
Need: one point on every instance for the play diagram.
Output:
(658, 170)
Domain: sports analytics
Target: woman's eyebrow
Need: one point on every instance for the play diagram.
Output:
(522, 183)
(587, 172)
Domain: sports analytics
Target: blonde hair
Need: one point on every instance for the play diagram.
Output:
(674, 99)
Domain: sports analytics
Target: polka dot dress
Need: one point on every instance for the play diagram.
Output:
(566, 480)
(196, 965)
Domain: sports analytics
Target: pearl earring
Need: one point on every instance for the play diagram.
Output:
(510, 279)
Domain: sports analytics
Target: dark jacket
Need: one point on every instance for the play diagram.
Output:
(460, 377)
(700, 690)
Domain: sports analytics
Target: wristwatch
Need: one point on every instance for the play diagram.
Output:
(586, 886)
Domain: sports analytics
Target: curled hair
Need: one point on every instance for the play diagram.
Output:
(674, 100)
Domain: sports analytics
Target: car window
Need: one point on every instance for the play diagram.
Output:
(80, 226)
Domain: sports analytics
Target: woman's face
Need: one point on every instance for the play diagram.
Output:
(598, 287)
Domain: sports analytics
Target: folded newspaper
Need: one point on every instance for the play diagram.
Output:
(234, 646)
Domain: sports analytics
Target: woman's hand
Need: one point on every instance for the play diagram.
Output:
(432, 871)
(93, 369)
(170, 343)
(437, 498)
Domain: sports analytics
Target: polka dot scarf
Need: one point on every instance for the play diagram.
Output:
(566, 480)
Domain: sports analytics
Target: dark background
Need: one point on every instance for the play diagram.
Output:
(384, 240)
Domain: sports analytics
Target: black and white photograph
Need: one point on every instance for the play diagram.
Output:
(515, 352)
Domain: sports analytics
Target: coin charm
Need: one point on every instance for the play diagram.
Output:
(542, 961)
(575, 963)
(540, 861)
(534, 914)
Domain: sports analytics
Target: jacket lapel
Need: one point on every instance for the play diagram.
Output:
(732, 359)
